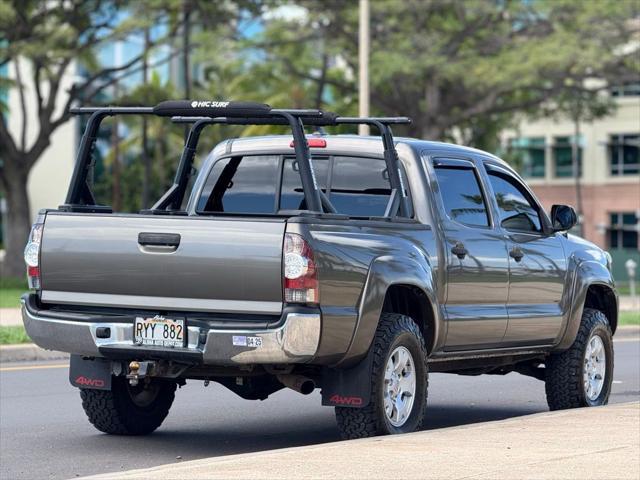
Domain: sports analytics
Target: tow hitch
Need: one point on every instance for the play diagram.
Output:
(138, 370)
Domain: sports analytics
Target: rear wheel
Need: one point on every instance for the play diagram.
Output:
(582, 375)
(128, 410)
(398, 384)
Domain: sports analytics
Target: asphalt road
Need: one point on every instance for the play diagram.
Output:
(44, 432)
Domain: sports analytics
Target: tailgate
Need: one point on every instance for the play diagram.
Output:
(219, 264)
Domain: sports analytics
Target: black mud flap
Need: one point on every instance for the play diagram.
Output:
(93, 373)
(349, 387)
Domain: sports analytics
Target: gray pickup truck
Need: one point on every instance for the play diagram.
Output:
(350, 264)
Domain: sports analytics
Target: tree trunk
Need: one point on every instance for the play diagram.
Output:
(18, 221)
(432, 131)
(116, 190)
(428, 124)
(322, 81)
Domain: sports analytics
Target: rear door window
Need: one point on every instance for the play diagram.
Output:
(461, 196)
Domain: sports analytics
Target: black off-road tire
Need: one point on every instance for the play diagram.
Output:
(115, 412)
(393, 330)
(564, 371)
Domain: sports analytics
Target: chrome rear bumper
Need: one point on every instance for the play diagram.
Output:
(294, 341)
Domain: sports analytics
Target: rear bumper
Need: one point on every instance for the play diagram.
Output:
(295, 340)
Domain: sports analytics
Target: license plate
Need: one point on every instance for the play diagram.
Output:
(159, 331)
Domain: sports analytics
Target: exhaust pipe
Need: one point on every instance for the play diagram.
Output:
(298, 383)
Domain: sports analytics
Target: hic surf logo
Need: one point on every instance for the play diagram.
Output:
(208, 104)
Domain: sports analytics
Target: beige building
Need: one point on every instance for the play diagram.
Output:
(610, 162)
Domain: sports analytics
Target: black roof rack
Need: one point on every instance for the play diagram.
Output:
(204, 112)
(80, 193)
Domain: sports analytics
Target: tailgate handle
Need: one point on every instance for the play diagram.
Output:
(159, 239)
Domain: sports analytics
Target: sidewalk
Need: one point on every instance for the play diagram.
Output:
(595, 443)
(627, 303)
(10, 316)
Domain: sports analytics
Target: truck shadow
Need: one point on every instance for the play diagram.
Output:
(443, 416)
(220, 438)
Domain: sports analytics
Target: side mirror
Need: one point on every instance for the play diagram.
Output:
(563, 218)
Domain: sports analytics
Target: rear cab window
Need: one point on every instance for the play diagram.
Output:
(257, 184)
(241, 185)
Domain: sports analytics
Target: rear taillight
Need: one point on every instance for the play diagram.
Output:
(32, 256)
(300, 275)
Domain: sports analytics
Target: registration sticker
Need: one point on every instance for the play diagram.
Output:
(244, 341)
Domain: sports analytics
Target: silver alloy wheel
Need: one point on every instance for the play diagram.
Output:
(399, 386)
(594, 369)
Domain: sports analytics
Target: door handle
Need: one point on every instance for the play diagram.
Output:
(159, 239)
(459, 250)
(516, 253)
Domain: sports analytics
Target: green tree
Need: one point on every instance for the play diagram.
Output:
(454, 65)
(148, 148)
(45, 41)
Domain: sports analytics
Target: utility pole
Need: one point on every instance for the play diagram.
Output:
(146, 178)
(363, 61)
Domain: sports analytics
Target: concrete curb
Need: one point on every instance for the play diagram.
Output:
(28, 352)
(627, 331)
(10, 317)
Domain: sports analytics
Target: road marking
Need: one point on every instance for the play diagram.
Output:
(32, 367)
(624, 339)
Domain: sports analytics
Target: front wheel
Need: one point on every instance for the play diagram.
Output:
(582, 375)
(128, 410)
(398, 384)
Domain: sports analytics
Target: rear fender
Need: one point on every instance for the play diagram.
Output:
(384, 272)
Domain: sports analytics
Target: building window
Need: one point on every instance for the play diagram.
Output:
(4, 92)
(624, 154)
(623, 230)
(530, 155)
(562, 157)
(629, 89)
